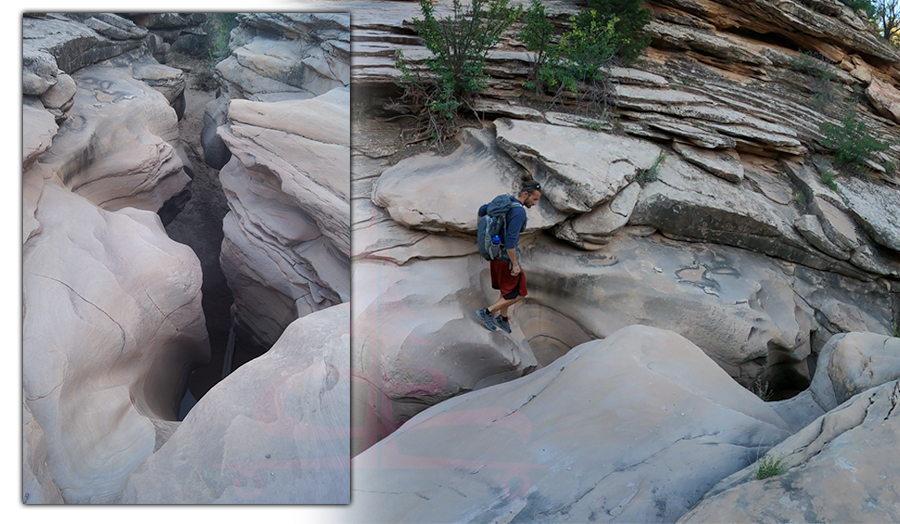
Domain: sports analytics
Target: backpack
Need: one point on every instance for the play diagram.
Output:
(493, 223)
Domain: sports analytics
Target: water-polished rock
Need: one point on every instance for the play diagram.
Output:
(634, 428)
(837, 469)
(275, 431)
(112, 326)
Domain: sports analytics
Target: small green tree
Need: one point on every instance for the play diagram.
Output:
(851, 142)
(537, 35)
(460, 44)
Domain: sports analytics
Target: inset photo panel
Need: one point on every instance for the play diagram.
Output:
(186, 258)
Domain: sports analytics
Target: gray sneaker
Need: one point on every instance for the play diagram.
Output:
(486, 318)
(503, 323)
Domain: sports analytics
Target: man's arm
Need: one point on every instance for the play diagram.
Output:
(514, 261)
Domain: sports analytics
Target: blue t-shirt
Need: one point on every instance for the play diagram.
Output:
(515, 223)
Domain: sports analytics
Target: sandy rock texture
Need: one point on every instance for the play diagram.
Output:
(287, 237)
(655, 425)
(112, 325)
(836, 469)
(275, 431)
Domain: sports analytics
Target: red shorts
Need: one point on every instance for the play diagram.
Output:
(510, 286)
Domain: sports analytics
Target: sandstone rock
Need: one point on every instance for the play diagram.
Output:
(724, 164)
(578, 169)
(852, 363)
(72, 44)
(297, 55)
(885, 98)
(115, 26)
(416, 342)
(287, 239)
(599, 225)
(875, 208)
(811, 229)
(311, 142)
(689, 204)
(60, 97)
(517, 450)
(109, 337)
(141, 65)
(215, 153)
(377, 237)
(443, 193)
(116, 148)
(836, 470)
(277, 262)
(39, 71)
(38, 129)
(37, 483)
(275, 431)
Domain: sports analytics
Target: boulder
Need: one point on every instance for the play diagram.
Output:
(852, 363)
(885, 98)
(443, 193)
(60, 97)
(874, 206)
(275, 431)
(109, 337)
(835, 469)
(665, 422)
(578, 169)
(39, 71)
(215, 153)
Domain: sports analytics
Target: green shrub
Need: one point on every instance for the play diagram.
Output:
(651, 174)
(218, 30)
(770, 466)
(537, 35)
(822, 76)
(850, 142)
(607, 32)
(459, 45)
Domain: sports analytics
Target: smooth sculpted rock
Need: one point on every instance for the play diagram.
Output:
(578, 169)
(656, 424)
(118, 148)
(275, 431)
(443, 193)
(852, 363)
(287, 238)
(37, 482)
(416, 340)
(837, 469)
(112, 326)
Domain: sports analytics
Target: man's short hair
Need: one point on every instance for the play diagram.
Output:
(530, 186)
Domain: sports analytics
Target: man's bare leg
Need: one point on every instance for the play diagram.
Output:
(503, 305)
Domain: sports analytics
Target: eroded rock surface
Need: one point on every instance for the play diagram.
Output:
(665, 423)
(275, 431)
(837, 468)
(287, 237)
(109, 336)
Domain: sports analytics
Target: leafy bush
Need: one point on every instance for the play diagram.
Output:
(813, 65)
(460, 44)
(851, 143)
(608, 31)
(537, 35)
(218, 30)
(770, 466)
(651, 174)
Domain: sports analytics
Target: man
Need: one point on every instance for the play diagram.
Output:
(507, 276)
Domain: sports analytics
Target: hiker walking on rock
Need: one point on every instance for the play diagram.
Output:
(508, 212)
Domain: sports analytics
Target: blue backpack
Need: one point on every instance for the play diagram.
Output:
(493, 224)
